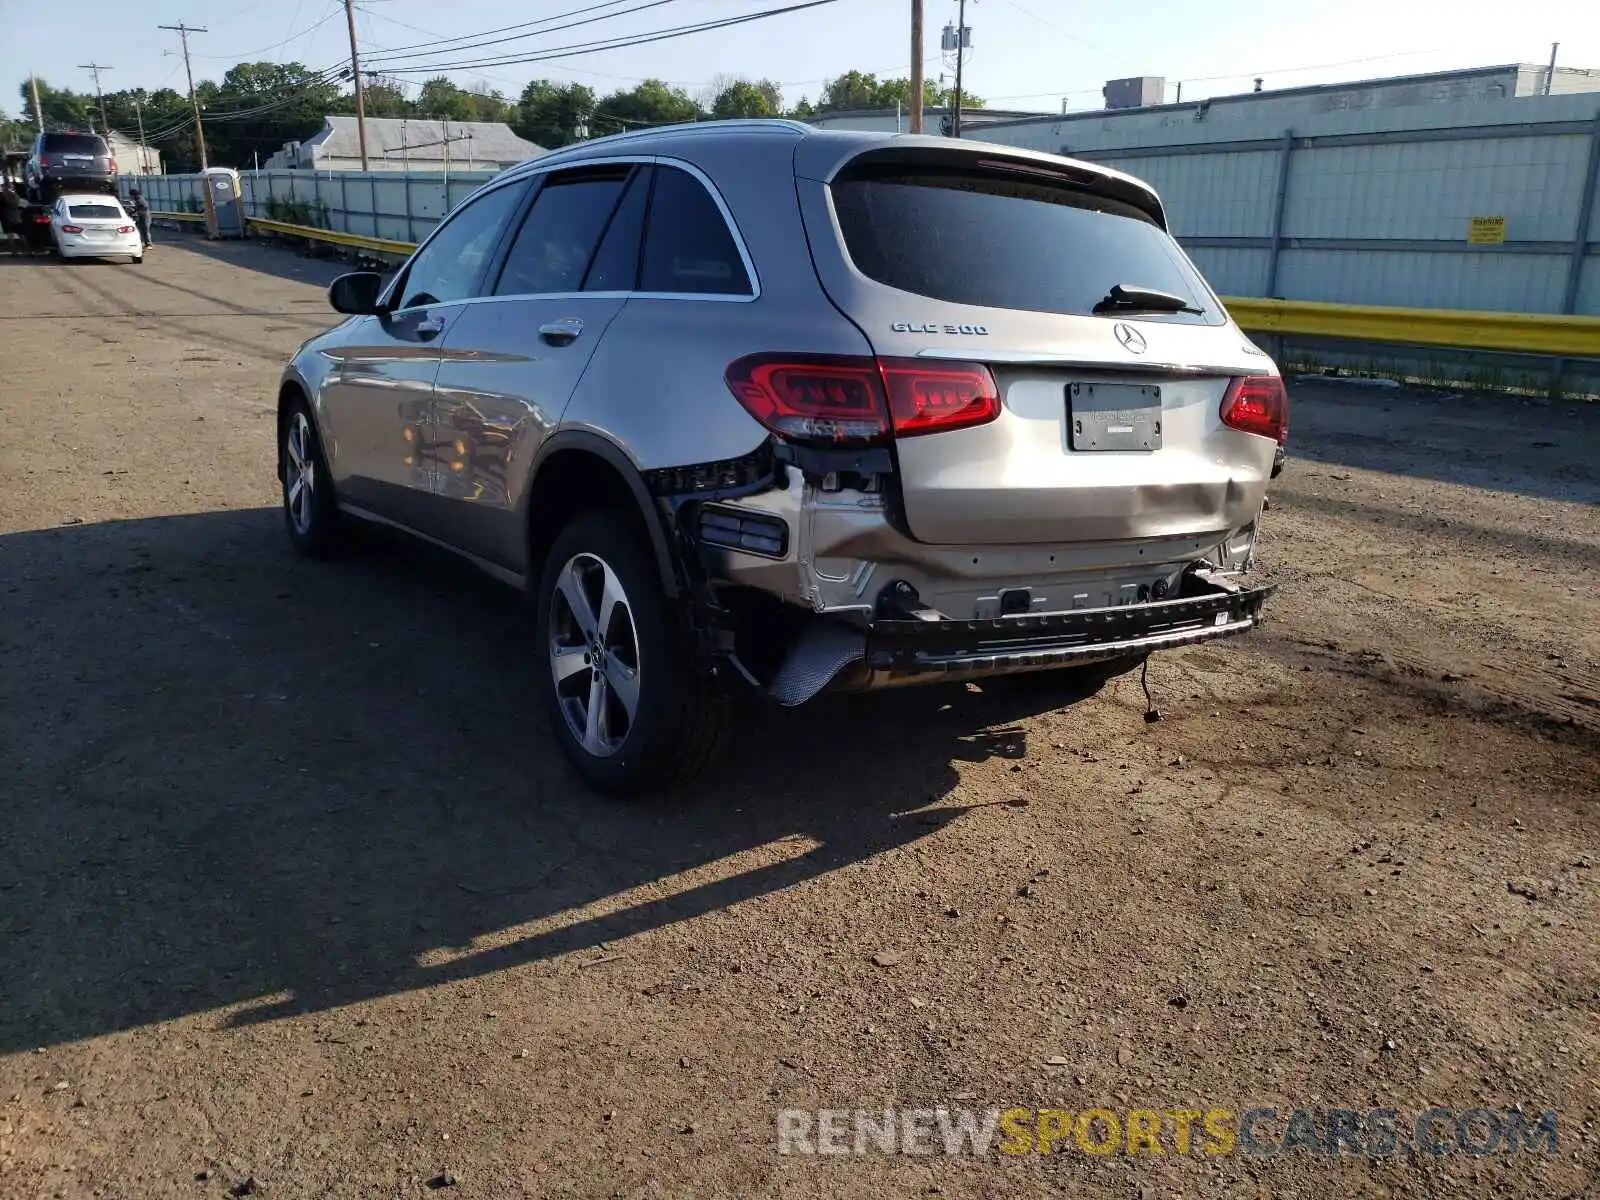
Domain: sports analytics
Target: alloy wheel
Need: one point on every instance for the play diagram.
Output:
(299, 472)
(594, 654)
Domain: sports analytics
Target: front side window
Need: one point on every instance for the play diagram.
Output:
(687, 245)
(450, 266)
(552, 250)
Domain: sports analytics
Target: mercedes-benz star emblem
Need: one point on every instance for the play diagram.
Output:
(1132, 340)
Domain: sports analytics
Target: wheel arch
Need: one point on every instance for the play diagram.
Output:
(577, 471)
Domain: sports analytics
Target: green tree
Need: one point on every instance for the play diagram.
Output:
(384, 98)
(853, 89)
(441, 99)
(554, 114)
(802, 110)
(62, 108)
(651, 103)
(744, 98)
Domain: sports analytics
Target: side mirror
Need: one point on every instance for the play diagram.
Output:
(356, 293)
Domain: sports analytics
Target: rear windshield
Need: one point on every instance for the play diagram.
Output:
(74, 143)
(89, 211)
(973, 237)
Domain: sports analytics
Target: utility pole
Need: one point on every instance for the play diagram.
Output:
(38, 113)
(355, 70)
(961, 57)
(95, 69)
(916, 66)
(1550, 71)
(183, 31)
(144, 151)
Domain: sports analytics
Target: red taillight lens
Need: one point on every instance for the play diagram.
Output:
(1257, 404)
(839, 398)
(72, 229)
(113, 166)
(812, 398)
(927, 397)
(44, 160)
(124, 228)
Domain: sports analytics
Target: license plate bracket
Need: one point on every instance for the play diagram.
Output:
(1114, 416)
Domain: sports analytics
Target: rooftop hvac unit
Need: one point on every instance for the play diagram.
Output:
(1137, 92)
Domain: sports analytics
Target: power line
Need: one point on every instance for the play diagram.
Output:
(242, 55)
(95, 69)
(467, 42)
(609, 44)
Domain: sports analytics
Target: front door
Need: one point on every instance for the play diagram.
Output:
(378, 415)
(378, 411)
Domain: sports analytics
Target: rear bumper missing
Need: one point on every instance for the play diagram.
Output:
(909, 651)
(896, 652)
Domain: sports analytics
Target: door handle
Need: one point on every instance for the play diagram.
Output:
(430, 327)
(562, 332)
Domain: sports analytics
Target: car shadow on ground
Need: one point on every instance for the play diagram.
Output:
(235, 778)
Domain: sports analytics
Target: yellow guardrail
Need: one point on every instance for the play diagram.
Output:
(176, 216)
(1457, 329)
(355, 240)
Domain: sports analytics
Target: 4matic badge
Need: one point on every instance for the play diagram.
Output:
(919, 327)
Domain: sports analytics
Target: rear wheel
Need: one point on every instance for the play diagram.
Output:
(629, 709)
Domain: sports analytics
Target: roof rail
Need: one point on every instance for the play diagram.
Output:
(683, 128)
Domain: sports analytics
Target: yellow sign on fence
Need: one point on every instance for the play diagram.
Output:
(1486, 231)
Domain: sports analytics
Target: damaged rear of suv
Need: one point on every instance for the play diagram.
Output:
(848, 411)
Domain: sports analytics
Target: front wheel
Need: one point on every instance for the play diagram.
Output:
(309, 511)
(629, 709)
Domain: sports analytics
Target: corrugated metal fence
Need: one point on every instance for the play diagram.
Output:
(399, 206)
(1487, 205)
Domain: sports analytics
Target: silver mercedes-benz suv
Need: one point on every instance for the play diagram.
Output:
(752, 404)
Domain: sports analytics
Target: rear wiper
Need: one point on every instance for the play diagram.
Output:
(1125, 298)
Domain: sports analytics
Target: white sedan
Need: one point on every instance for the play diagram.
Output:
(94, 227)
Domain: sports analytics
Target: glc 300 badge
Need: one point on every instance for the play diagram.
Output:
(918, 327)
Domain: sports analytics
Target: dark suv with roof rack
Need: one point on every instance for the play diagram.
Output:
(69, 162)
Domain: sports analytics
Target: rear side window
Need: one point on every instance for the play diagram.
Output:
(687, 245)
(973, 237)
(616, 263)
(91, 211)
(553, 248)
(73, 143)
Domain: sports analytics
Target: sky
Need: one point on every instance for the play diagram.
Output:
(1027, 54)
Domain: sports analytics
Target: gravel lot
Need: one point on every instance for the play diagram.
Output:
(295, 888)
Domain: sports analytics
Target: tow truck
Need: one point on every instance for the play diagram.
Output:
(35, 229)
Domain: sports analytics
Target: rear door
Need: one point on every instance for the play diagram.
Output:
(1109, 426)
(377, 407)
(510, 362)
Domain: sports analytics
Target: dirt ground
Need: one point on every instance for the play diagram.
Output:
(298, 899)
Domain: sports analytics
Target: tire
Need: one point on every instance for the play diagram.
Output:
(137, 260)
(678, 716)
(310, 513)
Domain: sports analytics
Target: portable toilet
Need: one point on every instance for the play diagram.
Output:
(224, 202)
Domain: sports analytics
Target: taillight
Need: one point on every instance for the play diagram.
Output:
(113, 163)
(124, 228)
(812, 397)
(44, 160)
(72, 229)
(928, 397)
(840, 398)
(1257, 404)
